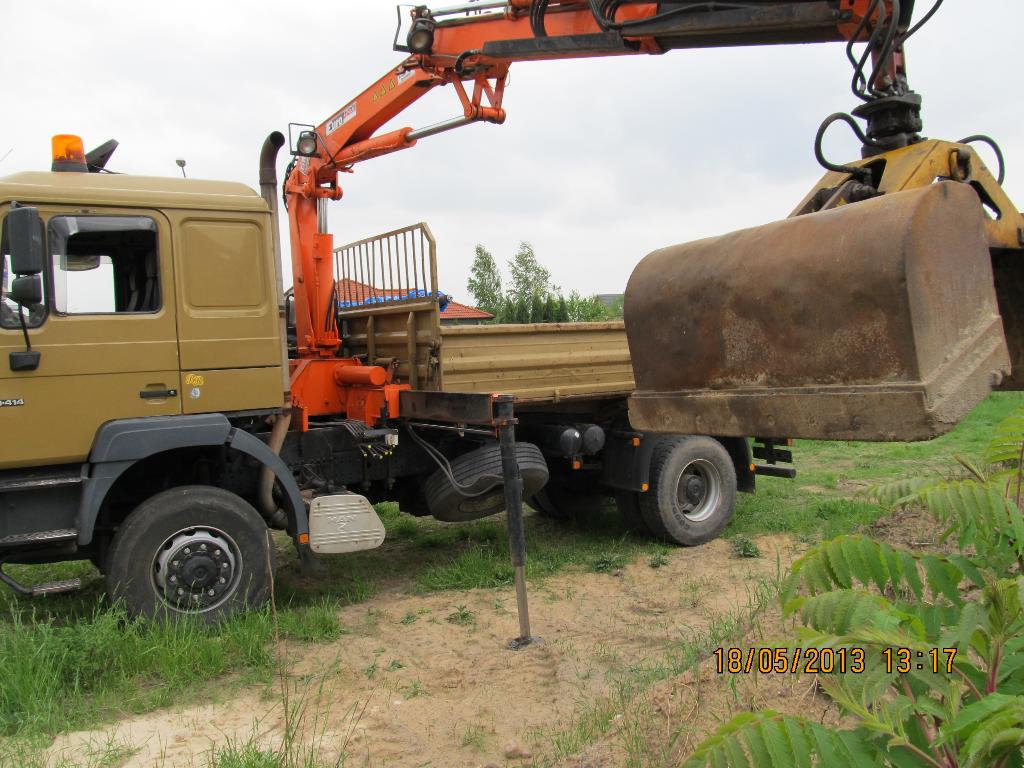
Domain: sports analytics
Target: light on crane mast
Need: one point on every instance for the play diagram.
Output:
(421, 36)
(306, 145)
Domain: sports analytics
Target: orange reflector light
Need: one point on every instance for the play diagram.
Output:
(752, 467)
(303, 538)
(636, 442)
(577, 464)
(644, 487)
(68, 153)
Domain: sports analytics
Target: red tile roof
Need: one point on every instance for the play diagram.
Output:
(352, 291)
(456, 311)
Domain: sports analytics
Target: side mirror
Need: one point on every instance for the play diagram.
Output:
(26, 242)
(26, 290)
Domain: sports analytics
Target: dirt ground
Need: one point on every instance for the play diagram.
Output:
(426, 680)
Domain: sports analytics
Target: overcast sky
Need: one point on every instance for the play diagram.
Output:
(600, 161)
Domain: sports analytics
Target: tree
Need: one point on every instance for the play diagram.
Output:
(562, 315)
(529, 278)
(485, 281)
(506, 312)
(617, 310)
(585, 309)
(550, 309)
(522, 311)
(537, 309)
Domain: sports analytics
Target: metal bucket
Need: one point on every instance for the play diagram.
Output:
(873, 321)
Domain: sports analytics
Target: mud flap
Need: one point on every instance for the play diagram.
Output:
(874, 321)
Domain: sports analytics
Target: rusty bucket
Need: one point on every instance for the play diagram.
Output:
(873, 321)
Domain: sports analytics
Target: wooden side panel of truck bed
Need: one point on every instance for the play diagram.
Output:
(537, 362)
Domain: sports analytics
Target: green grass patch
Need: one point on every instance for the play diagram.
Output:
(62, 675)
(826, 499)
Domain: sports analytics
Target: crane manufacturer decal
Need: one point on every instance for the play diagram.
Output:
(341, 118)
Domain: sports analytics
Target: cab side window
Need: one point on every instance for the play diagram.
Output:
(104, 264)
(35, 315)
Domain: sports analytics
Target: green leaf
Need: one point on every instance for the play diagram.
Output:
(943, 578)
(913, 580)
(798, 746)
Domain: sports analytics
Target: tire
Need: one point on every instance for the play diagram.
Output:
(479, 472)
(200, 538)
(561, 500)
(628, 505)
(693, 490)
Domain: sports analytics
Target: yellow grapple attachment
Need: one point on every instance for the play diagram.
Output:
(876, 320)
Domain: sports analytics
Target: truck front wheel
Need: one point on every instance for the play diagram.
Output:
(190, 551)
(693, 490)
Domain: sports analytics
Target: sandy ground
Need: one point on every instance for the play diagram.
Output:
(409, 686)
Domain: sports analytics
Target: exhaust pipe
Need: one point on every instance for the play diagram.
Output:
(275, 516)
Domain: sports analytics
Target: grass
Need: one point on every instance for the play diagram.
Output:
(462, 617)
(624, 708)
(72, 661)
(744, 547)
(63, 673)
(824, 501)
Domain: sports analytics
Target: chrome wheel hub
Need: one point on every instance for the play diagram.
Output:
(196, 569)
(699, 490)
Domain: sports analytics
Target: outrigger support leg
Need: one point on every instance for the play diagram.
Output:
(514, 506)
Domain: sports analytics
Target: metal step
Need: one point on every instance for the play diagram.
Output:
(56, 587)
(38, 537)
(40, 479)
(38, 590)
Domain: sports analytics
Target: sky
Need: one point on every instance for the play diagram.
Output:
(600, 161)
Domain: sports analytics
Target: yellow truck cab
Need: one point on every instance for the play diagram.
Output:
(159, 299)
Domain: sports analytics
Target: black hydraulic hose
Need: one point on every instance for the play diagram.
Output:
(888, 47)
(446, 467)
(927, 17)
(982, 139)
(860, 173)
(538, 9)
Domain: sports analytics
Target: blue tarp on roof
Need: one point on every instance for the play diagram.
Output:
(417, 294)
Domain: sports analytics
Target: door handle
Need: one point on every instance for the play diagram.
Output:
(155, 394)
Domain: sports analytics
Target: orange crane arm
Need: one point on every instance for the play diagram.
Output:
(472, 46)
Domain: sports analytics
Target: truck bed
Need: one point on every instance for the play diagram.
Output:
(389, 311)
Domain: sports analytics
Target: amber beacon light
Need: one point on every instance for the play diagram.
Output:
(68, 153)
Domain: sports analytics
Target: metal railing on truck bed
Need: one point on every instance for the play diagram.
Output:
(389, 308)
(388, 302)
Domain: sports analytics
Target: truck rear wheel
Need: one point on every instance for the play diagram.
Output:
(693, 490)
(628, 505)
(190, 551)
(563, 499)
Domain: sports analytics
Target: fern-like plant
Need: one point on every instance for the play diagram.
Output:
(940, 637)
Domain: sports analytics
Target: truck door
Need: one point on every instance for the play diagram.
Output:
(106, 333)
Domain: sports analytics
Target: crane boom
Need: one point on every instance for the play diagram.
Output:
(766, 353)
(472, 46)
